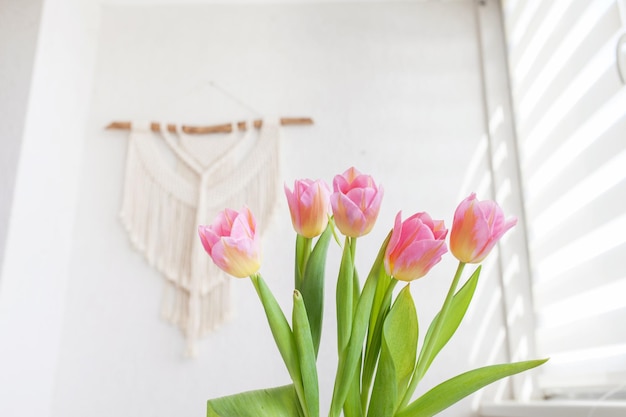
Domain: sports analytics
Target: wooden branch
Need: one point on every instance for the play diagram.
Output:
(223, 128)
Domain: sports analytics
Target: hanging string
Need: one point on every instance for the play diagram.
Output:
(233, 97)
(168, 102)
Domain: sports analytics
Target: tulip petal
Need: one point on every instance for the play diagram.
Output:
(396, 234)
(362, 181)
(232, 243)
(204, 232)
(348, 218)
(351, 174)
(418, 258)
(238, 258)
(477, 227)
(413, 249)
(355, 202)
(341, 184)
(309, 206)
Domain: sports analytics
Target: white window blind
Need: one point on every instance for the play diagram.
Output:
(570, 106)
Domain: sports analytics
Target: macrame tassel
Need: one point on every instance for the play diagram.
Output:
(164, 200)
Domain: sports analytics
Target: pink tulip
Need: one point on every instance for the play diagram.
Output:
(416, 245)
(309, 205)
(355, 202)
(477, 227)
(232, 242)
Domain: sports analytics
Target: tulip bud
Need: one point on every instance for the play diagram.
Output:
(231, 241)
(355, 202)
(477, 227)
(309, 205)
(416, 245)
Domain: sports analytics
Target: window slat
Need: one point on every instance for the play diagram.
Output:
(555, 77)
(581, 279)
(559, 30)
(588, 215)
(567, 174)
(541, 28)
(593, 330)
(566, 111)
(589, 130)
(522, 25)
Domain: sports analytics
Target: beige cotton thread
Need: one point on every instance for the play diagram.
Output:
(173, 183)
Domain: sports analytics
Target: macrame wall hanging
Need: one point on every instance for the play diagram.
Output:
(176, 180)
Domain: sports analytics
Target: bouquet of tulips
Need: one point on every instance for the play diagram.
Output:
(379, 365)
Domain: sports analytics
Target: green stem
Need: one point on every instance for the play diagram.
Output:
(306, 254)
(303, 252)
(345, 297)
(352, 405)
(356, 285)
(420, 369)
(352, 241)
(372, 352)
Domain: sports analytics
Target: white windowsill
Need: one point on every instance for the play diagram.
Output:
(554, 409)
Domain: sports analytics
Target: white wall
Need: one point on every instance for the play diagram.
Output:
(35, 270)
(394, 89)
(19, 27)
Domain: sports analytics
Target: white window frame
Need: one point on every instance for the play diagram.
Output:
(527, 399)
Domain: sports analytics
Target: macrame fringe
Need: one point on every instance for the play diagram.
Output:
(163, 204)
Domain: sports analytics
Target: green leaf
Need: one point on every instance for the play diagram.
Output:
(382, 302)
(375, 330)
(272, 402)
(331, 223)
(385, 392)
(306, 354)
(458, 308)
(400, 334)
(344, 297)
(349, 357)
(312, 287)
(397, 357)
(352, 406)
(282, 333)
(455, 389)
